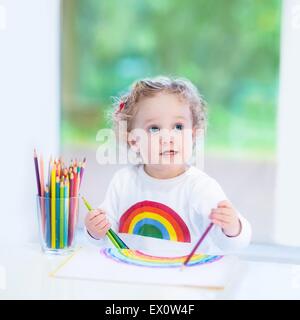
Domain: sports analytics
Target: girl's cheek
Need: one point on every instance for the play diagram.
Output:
(154, 142)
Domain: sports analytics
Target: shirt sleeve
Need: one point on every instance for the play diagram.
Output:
(110, 205)
(206, 197)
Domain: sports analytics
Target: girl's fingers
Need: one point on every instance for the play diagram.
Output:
(93, 217)
(101, 223)
(99, 219)
(105, 227)
(222, 219)
(224, 216)
(100, 226)
(223, 211)
(224, 204)
(219, 223)
(94, 214)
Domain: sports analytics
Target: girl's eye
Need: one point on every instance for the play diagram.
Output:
(179, 126)
(153, 129)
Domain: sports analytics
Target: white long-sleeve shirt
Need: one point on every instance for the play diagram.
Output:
(166, 213)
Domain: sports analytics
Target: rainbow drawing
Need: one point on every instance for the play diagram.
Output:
(138, 258)
(154, 219)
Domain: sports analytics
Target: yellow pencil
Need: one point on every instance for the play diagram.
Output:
(53, 207)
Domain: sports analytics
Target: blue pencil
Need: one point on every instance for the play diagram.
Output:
(48, 217)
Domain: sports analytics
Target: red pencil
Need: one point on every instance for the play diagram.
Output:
(75, 181)
(71, 185)
(42, 176)
(197, 245)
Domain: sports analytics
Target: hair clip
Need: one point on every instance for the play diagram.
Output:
(121, 106)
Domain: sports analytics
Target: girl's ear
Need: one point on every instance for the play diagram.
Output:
(197, 132)
(194, 134)
(133, 143)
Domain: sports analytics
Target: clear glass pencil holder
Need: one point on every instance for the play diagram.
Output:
(57, 223)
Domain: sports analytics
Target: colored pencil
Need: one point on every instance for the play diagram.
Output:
(42, 195)
(37, 173)
(114, 238)
(48, 217)
(74, 181)
(62, 213)
(71, 184)
(66, 214)
(49, 173)
(71, 210)
(58, 199)
(82, 170)
(42, 176)
(65, 172)
(53, 207)
(118, 239)
(76, 195)
(197, 245)
(57, 188)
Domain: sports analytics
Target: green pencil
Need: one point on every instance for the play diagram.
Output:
(114, 238)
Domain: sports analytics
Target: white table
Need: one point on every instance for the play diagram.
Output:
(27, 270)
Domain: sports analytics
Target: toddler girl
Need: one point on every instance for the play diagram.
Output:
(164, 196)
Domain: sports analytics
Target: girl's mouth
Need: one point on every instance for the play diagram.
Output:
(168, 153)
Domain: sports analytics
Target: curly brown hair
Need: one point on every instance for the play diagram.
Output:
(149, 87)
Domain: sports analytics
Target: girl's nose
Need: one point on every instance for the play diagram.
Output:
(166, 138)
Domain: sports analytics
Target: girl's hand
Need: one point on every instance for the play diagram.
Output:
(97, 224)
(226, 217)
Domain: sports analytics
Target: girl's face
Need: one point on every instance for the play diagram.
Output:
(162, 130)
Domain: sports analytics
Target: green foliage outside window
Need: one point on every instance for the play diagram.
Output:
(228, 48)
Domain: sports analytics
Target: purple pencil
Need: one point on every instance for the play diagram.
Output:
(197, 245)
(37, 172)
(81, 171)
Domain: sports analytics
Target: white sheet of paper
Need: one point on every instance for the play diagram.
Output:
(87, 263)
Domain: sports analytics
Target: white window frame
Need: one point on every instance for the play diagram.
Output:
(30, 108)
(287, 209)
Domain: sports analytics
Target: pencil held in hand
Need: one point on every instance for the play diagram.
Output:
(97, 224)
(105, 230)
(197, 245)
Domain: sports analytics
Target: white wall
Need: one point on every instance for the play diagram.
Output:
(287, 223)
(29, 104)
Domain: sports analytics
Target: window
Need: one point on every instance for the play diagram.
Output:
(229, 49)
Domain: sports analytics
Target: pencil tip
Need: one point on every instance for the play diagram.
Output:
(182, 267)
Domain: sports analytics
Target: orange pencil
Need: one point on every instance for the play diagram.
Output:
(65, 172)
(75, 181)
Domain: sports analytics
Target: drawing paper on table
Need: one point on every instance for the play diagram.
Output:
(137, 267)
